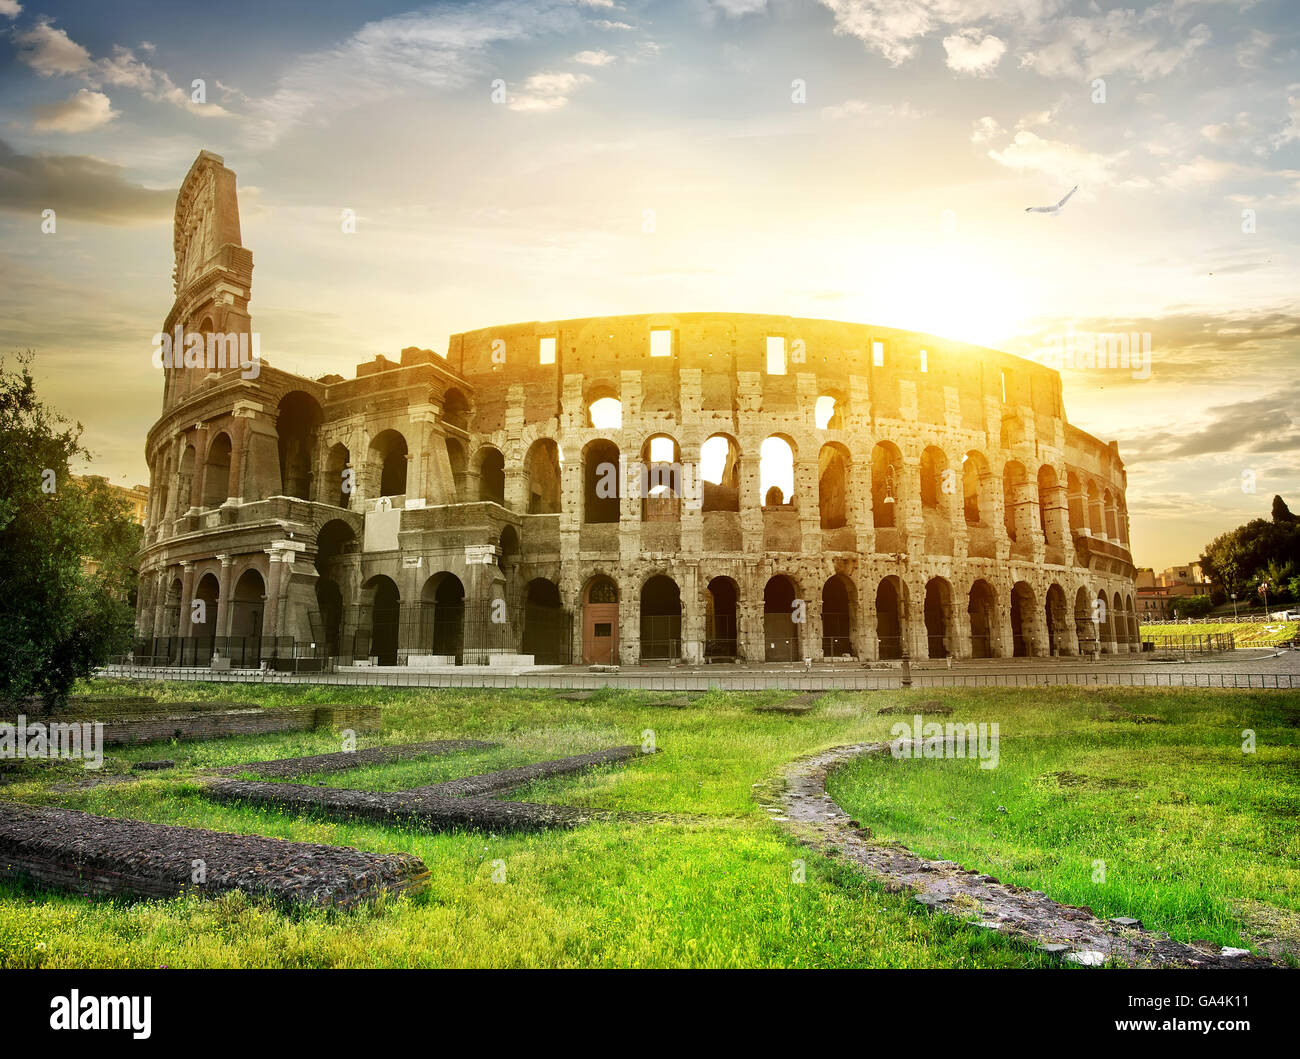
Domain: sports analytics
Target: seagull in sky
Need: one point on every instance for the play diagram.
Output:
(1057, 207)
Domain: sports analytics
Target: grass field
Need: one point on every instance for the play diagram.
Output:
(708, 883)
(1245, 633)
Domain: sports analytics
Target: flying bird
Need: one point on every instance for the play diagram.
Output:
(1057, 207)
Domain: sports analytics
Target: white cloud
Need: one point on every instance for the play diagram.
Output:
(50, 51)
(1198, 172)
(11, 8)
(81, 112)
(1120, 41)
(739, 8)
(440, 48)
(593, 58)
(1063, 162)
(547, 91)
(1217, 134)
(985, 129)
(969, 52)
(1291, 130)
(894, 27)
(604, 23)
(871, 112)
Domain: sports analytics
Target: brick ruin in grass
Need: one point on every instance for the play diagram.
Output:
(69, 850)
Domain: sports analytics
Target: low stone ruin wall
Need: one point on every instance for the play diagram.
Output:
(76, 851)
(220, 724)
(342, 761)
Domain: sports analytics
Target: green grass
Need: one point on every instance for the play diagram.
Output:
(1196, 837)
(1245, 633)
(707, 883)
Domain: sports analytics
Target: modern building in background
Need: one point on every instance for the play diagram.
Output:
(694, 487)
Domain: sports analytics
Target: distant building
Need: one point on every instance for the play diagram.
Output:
(138, 499)
(1157, 592)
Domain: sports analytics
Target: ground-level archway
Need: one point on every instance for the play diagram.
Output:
(661, 619)
(547, 636)
(890, 627)
(780, 630)
(721, 600)
(1024, 621)
(839, 603)
(442, 623)
(383, 604)
(980, 608)
(940, 628)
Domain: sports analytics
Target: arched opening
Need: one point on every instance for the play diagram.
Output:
(455, 409)
(600, 622)
(546, 629)
(508, 551)
(721, 601)
(776, 471)
(890, 627)
(976, 481)
(492, 476)
(1075, 501)
(981, 606)
(216, 471)
(886, 465)
(661, 484)
(1024, 621)
(388, 453)
(661, 619)
(203, 623)
(542, 465)
(934, 470)
(1056, 617)
(329, 606)
(839, 605)
(720, 474)
(296, 425)
(339, 484)
(456, 459)
(780, 630)
(443, 616)
(939, 632)
(827, 413)
(1096, 516)
(384, 608)
(600, 476)
(833, 486)
(333, 540)
(247, 605)
(1112, 516)
(605, 412)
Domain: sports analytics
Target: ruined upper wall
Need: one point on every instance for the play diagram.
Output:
(725, 345)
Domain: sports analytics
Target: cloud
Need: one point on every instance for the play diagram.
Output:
(1291, 130)
(593, 58)
(604, 23)
(50, 51)
(440, 48)
(81, 112)
(1264, 424)
(1199, 171)
(79, 187)
(739, 8)
(1120, 41)
(547, 91)
(871, 112)
(11, 8)
(1063, 162)
(969, 52)
(984, 129)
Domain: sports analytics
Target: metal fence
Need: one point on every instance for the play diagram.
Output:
(1205, 643)
(794, 679)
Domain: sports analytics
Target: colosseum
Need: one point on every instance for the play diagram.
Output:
(688, 488)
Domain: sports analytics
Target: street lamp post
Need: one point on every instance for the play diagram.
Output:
(1234, 607)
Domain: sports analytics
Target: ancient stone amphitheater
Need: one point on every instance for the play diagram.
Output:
(696, 487)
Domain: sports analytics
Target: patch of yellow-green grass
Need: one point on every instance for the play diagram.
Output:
(710, 882)
(1141, 805)
(1244, 633)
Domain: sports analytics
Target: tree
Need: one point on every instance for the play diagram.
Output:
(1194, 606)
(1238, 559)
(56, 621)
(1282, 513)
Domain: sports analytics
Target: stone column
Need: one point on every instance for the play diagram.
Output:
(186, 628)
(225, 612)
(271, 615)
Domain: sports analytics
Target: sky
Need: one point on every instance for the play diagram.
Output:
(862, 160)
